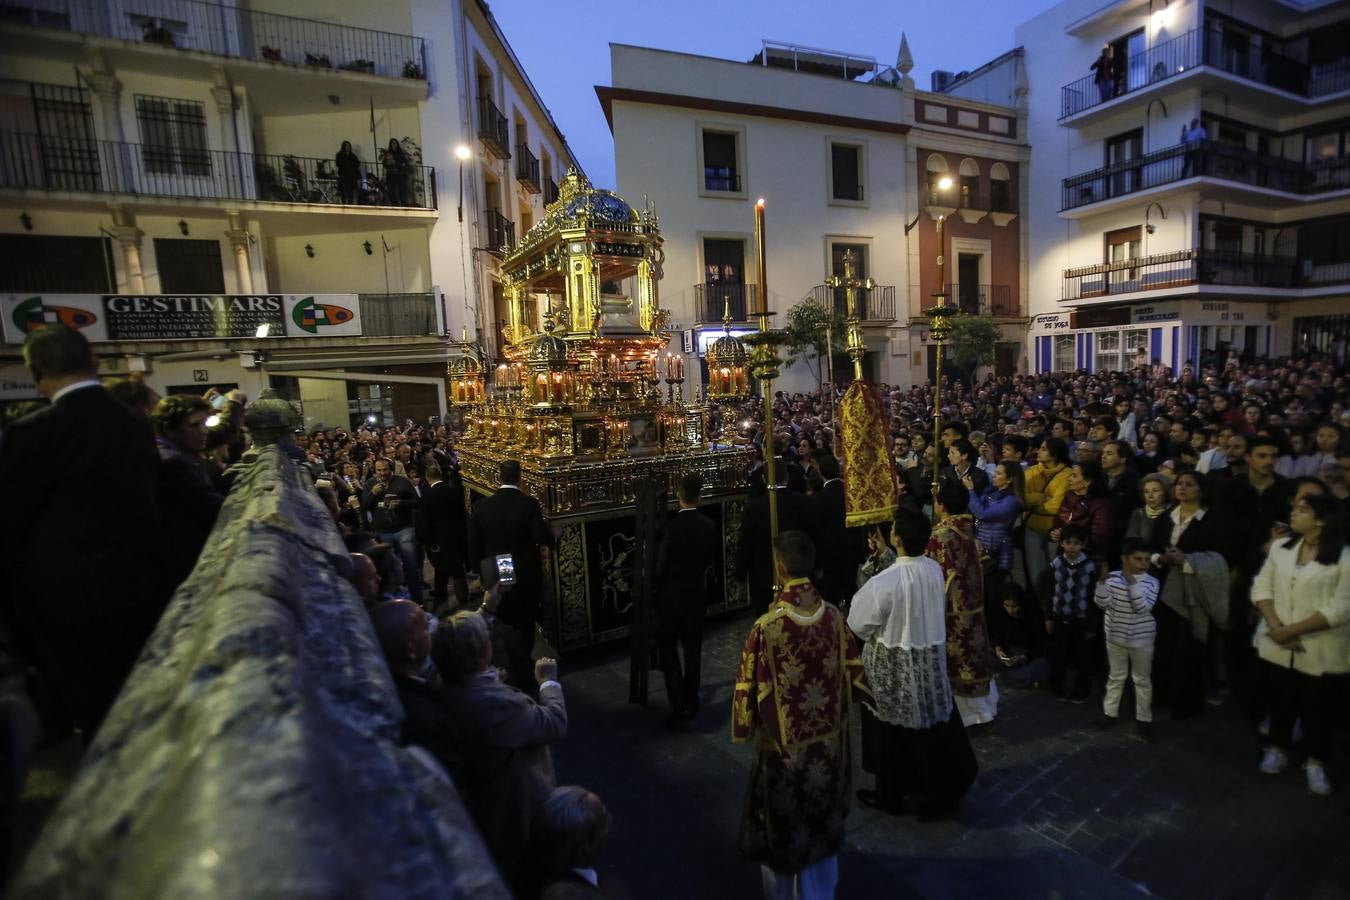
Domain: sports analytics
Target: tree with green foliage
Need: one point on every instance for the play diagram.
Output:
(806, 327)
(971, 342)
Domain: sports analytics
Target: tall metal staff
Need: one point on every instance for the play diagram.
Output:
(764, 364)
(939, 317)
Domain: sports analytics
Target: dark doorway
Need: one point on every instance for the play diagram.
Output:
(968, 291)
(724, 276)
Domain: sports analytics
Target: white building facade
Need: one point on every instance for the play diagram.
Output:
(831, 142)
(170, 169)
(1190, 195)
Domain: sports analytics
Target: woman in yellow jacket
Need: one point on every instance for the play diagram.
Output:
(1047, 483)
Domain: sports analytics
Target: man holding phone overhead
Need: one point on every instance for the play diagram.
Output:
(511, 524)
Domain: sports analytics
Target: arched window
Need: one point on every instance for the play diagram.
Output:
(1000, 188)
(937, 169)
(970, 184)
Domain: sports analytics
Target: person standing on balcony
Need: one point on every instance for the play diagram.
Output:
(396, 171)
(1102, 74)
(348, 173)
(1193, 136)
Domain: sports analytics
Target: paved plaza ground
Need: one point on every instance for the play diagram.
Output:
(1060, 809)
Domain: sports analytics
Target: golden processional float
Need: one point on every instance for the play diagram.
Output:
(577, 398)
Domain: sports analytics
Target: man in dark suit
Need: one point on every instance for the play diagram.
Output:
(961, 462)
(188, 501)
(754, 554)
(841, 549)
(512, 522)
(688, 549)
(401, 628)
(442, 533)
(80, 553)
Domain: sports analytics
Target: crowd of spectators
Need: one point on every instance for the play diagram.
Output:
(1183, 534)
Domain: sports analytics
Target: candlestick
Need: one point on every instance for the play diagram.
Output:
(762, 299)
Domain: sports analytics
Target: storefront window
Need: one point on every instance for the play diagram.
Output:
(1108, 351)
(1065, 360)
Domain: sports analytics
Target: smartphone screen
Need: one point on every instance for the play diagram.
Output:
(506, 570)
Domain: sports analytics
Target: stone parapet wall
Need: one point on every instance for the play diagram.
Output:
(254, 750)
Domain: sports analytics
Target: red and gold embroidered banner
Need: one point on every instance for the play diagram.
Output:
(871, 491)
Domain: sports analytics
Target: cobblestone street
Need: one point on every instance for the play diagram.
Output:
(1060, 810)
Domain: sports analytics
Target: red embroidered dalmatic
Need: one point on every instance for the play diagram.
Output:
(799, 674)
(968, 658)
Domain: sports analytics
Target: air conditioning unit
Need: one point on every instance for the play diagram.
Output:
(941, 79)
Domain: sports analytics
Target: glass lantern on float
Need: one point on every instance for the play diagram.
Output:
(468, 388)
(728, 371)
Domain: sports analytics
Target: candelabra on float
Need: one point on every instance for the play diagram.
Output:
(764, 365)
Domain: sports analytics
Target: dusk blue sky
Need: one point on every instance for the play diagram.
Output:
(565, 47)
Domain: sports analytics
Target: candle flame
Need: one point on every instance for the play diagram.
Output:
(760, 202)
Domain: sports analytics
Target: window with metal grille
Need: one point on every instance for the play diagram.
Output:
(189, 266)
(173, 136)
(58, 264)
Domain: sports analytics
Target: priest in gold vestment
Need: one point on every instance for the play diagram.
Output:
(799, 675)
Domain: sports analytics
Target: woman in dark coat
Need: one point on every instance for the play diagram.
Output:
(348, 173)
(1179, 658)
(396, 172)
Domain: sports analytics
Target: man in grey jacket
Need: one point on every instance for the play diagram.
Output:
(508, 770)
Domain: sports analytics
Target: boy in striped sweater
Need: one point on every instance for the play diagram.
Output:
(1127, 597)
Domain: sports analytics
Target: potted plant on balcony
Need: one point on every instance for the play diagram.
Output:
(321, 60)
(412, 70)
(154, 33)
(272, 54)
(366, 66)
(268, 186)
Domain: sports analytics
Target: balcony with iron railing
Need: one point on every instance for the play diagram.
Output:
(1160, 271)
(228, 30)
(527, 169)
(550, 191)
(983, 299)
(1210, 159)
(32, 162)
(721, 178)
(874, 305)
(1190, 268)
(851, 192)
(713, 301)
(501, 231)
(1186, 52)
(493, 129)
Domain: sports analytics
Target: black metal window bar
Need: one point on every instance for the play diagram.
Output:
(982, 299)
(550, 191)
(493, 128)
(42, 162)
(173, 136)
(527, 168)
(876, 305)
(711, 300)
(228, 30)
(501, 231)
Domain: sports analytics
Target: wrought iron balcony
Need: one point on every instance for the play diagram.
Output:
(1212, 159)
(33, 162)
(721, 178)
(527, 169)
(230, 30)
(550, 191)
(983, 299)
(1257, 62)
(848, 192)
(501, 231)
(1252, 270)
(398, 315)
(493, 128)
(711, 301)
(875, 305)
(1161, 271)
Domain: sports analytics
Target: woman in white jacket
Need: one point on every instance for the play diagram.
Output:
(1303, 595)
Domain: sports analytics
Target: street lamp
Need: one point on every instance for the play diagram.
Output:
(939, 315)
(462, 153)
